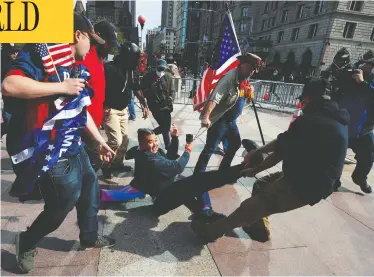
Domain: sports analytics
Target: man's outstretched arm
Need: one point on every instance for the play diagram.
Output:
(269, 162)
(19, 86)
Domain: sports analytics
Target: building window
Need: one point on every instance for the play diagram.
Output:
(372, 35)
(312, 30)
(349, 29)
(318, 7)
(242, 27)
(273, 21)
(263, 25)
(260, 38)
(274, 5)
(280, 36)
(266, 7)
(355, 5)
(300, 12)
(245, 11)
(295, 34)
(284, 16)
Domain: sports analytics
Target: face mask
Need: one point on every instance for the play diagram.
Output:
(160, 73)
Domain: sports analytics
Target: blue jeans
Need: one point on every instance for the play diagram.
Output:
(70, 183)
(363, 147)
(131, 107)
(220, 131)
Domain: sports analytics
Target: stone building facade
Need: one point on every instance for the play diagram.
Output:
(112, 11)
(306, 35)
(302, 36)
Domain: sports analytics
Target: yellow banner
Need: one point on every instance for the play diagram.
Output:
(34, 21)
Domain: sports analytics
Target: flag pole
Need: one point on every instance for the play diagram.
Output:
(253, 101)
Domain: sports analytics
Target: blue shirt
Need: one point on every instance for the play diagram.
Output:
(235, 111)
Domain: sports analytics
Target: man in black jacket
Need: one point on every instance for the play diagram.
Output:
(357, 96)
(158, 89)
(313, 152)
(120, 82)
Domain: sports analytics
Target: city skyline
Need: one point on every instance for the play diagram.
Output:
(146, 8)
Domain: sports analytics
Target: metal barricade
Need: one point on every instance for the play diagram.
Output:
(185, 89)
(279, 94)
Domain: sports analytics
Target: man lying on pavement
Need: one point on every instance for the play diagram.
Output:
(155, 174)
(313, 151)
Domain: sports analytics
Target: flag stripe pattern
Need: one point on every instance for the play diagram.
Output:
(53, 55)
(224, 59)
(38, 149)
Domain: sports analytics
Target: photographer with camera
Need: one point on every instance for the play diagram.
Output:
(354, 91)
(158, 89)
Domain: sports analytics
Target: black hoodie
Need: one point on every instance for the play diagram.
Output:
(314, 149)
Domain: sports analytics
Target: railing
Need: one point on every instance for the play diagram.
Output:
(277, 93)
(268, 92)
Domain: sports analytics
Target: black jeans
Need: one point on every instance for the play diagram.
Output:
(363, 147)
(186, 191)
(163, 119)
(70, 183)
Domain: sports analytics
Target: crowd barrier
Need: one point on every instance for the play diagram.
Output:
(268, 92)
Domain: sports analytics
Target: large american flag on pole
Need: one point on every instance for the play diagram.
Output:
(224, 59)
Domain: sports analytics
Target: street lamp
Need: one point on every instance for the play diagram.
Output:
(141, 20)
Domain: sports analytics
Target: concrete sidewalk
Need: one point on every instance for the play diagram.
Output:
(334, 237)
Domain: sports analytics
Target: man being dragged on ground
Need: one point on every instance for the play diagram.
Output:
(155, 173)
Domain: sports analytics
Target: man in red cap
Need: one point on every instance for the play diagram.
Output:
(94, 61)
(225, 105)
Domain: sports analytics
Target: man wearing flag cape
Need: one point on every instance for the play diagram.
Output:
(44, 139)
(224, 91)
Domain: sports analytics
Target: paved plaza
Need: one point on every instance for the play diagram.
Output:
(334, 237)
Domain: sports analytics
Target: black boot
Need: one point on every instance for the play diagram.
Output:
(337, 185)
(107, 173)
(363, 184)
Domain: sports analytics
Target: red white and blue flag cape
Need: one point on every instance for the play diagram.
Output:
(224, 59)
(55, 129)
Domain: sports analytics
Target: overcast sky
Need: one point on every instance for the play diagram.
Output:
(151, 9)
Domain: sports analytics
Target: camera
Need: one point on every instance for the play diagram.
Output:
(189, 138)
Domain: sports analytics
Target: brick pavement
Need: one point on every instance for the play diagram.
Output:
(335, 237)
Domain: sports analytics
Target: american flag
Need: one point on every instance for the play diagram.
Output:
(224, 59)
(39, 149)
(53, 55)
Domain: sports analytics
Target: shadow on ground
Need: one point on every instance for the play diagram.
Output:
(136, 235)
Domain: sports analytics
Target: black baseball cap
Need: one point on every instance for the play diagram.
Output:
(10, 48)
(83, 24)
(317, 89)
(369, 61)
(108, 32)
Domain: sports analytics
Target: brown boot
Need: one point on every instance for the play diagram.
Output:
(259, 231)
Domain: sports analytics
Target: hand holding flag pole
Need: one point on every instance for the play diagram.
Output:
(224, 59)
